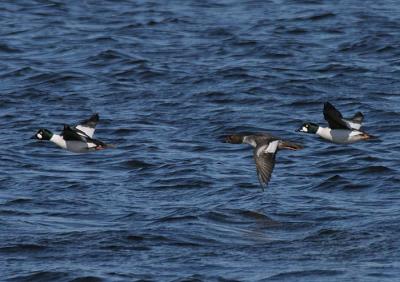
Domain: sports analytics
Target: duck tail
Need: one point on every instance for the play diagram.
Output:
(367, 136)
(110, 146)
(102, 146)
(289, 145)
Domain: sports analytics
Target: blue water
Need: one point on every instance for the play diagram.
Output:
(172, 202)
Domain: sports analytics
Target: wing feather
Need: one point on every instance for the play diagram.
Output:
(264, 156)
(73, 134)
(356, 121)
(334, 117)
(88, 126)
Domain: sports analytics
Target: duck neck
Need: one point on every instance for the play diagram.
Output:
(249, 140)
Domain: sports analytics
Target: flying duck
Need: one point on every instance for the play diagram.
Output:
(341, 130)
(77, 139)
(265, 148)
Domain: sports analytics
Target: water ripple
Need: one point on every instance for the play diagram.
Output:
(172, 201)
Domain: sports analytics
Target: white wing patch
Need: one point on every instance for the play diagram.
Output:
(89, 131)
(352, 125)
(272, 147)
(249, 141)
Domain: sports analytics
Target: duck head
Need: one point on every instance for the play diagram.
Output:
(308, 127)
(43, 134)
(234, 139)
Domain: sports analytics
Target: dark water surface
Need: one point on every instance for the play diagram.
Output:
(172, 202)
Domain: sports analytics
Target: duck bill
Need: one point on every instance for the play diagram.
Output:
(33, 137)
(222, 138)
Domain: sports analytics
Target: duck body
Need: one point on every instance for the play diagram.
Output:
(77, 139)
(341, 136)
(77, 146)
(265, 148)
(341, 130)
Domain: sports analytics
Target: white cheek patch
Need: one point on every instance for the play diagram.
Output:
(305, 129)
(39, 136)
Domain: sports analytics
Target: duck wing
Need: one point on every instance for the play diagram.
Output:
(356, 121)
(88, 126)
(74, 134)
(264, 156)
(334, 117)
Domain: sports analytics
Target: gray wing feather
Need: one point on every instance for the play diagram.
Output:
(265, 163)
(88, 126)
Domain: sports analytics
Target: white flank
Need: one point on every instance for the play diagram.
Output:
(59, 141)
(324, 132)
(73, 146)
(341, 136)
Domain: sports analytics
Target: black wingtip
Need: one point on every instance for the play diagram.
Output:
(263, 183)
(92, 121)
(358, 117)
(95, 117)
(328, 105)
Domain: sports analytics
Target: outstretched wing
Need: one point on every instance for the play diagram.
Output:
(74, 134)
(356, 121)
(88, 126)
(264, 156)
(334, 117)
